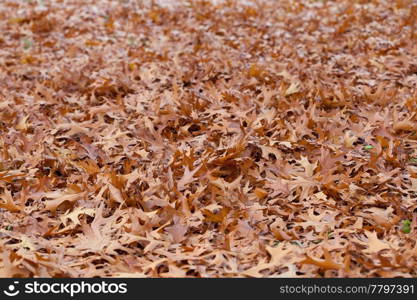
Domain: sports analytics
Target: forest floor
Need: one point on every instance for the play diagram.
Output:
(208, 139)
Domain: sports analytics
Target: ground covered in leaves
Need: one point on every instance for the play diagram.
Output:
(208, 138)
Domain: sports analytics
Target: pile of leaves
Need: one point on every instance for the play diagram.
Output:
(208, 138)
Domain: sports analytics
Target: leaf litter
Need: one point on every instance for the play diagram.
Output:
(208, 138)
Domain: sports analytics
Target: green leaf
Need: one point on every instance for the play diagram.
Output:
(368, 147)
(275, 244)
(406, 226)
(318, 241)
(27, 44)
